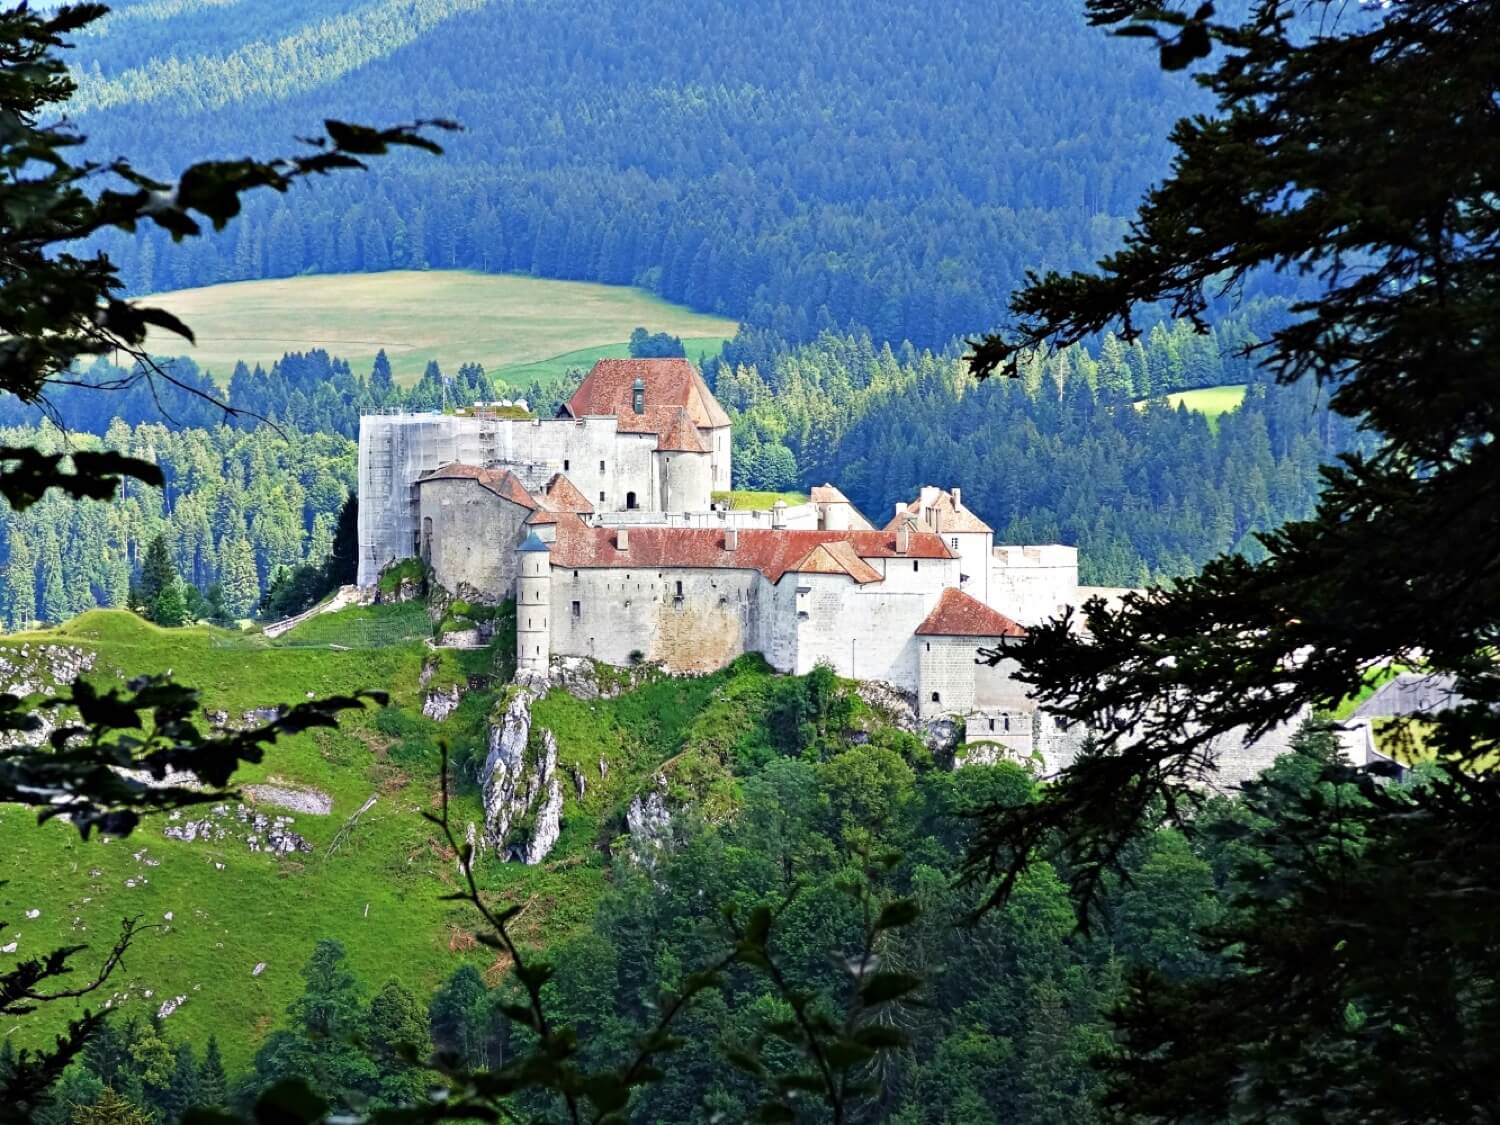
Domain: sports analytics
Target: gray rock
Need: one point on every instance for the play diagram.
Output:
(649, 822)
(520, 781)
(439, 703)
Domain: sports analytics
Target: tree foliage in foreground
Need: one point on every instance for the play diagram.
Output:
(1360, 147)
(110, 754)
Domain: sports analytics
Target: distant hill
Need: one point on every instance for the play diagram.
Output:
(801, 163)
(452, 316)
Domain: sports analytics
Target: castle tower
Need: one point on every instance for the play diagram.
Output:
(533, 607)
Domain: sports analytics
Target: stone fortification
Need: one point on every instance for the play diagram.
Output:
(601, 524)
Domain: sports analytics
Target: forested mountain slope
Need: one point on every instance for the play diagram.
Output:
(804, 164)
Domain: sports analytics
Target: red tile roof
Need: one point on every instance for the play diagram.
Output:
(562, 495)
(502, 482)
(773, 553)
(682, 436)
(606, 390)
(958, 615)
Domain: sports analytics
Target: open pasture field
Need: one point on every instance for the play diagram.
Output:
(1211, 402)
(502, 321)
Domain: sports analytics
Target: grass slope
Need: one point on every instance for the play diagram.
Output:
(557, 367)
(453, 316)
(379, 893)
(1211, 402)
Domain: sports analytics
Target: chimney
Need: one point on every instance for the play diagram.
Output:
(622, 539)
(958, 499)
(778, 514)
(900, 507)
(731, 538)
(903, 537)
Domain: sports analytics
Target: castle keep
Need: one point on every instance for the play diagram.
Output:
(601, 523)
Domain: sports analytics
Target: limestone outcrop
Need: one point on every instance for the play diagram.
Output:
(439, 703)
(522, 790)
(649, 823)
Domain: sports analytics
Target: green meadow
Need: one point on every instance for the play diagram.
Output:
(1211, 402)
(219, 909)
(521, 327)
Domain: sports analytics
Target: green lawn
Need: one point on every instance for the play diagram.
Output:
(746, 498)
(556, 367)
(454, 316)
(1211, 402)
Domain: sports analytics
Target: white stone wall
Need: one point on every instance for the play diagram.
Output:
(1031, 584)
(686, 480)
(947, 666)
(606, 465)
(720, 439)
(865, 632)
(974, 563)
(622, 611)
(469, 538)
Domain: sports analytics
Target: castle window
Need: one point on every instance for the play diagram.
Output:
(601, 466)
(630, 501)
(679, 587)
(601, 497)
(936, 698)
(577, 610)
(528, 623)
(566, 465)
(1007, 722)
(992, 724)
(954, 541)
(916, 564)
(929, 646)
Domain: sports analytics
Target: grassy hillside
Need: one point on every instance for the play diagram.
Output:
(453, 316)
(556, 367)
(378, 890)
(1211, 402)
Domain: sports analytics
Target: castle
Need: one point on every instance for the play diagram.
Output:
(602, 524)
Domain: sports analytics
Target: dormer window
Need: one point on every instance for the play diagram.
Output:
(638, 397)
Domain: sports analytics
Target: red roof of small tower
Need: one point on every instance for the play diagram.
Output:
(682, 436)
(958, 615)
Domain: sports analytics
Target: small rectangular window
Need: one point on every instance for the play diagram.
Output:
(601, 466)
(954, 541)
(601, 497)
(915, 565)
(566, 466)
(679, 589)
(577, 610)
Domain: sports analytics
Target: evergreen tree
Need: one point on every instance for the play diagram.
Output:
(170, 608)
(1362, 148)
(158, 574)
(213, 1086)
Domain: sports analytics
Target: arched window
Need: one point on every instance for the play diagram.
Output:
(936, 698)
(630, 501)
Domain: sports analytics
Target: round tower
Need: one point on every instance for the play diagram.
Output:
(533, 607)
